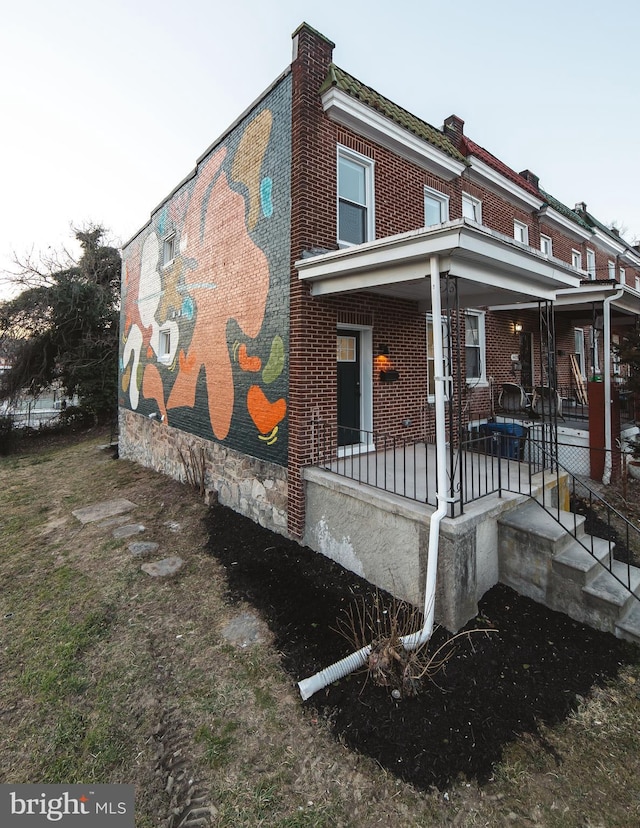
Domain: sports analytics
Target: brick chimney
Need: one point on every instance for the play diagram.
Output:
(309, 42)
(454, 130)
(532, 178)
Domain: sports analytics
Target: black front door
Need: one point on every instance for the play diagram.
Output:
(348, 362)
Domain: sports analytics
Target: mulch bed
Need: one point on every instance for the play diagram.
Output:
(496, 687)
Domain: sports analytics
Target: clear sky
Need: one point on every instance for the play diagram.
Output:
(107, 105)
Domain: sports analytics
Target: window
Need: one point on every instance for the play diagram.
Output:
(591, 264)
(638, 283)
(169, 249)
(578, 336)
(436, 207)
(475, 347)
(611, 266)
(355, 198)
(346, 348)
(520, 232)
(546, 245)
(471, 208)
(164, 349)
(576, 259)
(431, 384)
(623, 276)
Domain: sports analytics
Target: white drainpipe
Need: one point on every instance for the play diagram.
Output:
(608, 442)
(353, 662)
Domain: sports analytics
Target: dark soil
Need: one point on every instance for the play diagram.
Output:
(532, 669)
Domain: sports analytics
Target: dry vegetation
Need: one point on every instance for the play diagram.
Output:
(109, 675)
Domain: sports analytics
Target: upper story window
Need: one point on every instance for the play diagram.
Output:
(623, 276)
(355, 198)
(471, 208)
(576, 259)
(169, 249)
(546, 245)
(164, 349)
(591, 264)
(475, 348)
(436, 207)
(611, 267)
(637, 282)
(521, 232)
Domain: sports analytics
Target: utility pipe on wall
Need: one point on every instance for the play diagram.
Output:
(608, 440)
(358, 659)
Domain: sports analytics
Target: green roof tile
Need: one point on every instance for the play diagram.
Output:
(365, 94)
(565, 211)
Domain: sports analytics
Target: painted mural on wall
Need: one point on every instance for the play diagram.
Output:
(205, 294)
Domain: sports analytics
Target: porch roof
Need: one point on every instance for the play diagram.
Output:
(491, 268)
(578, 302)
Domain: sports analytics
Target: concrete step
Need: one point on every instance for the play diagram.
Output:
(628, 627)
(575, 563)
(554, 535)
(609, 597)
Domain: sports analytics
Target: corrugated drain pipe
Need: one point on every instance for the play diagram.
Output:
(358, 659)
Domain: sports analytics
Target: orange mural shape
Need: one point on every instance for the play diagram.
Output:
(266, 415)
(248, 363)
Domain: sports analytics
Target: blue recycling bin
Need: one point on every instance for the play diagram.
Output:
(512, 437)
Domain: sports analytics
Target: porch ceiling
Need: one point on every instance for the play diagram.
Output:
(492, 269)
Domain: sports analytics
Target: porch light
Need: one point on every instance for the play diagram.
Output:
(517, 327)
(384, 364)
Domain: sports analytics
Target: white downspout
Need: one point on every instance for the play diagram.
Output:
(608, 442)
(358, 659)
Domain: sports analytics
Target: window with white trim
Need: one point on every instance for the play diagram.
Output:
(546, 245)
(521, 232)
(475, 347)
(638, 283)
(623, 276)
(164, 345)
(355, 198)
(169, 249)
(436, 207)
(611, 267)
(591, 263)
(578, 338)
(576, 259)
(471, 208)
(431, 384)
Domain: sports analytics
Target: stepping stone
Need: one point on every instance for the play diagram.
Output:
(160, 569)
(105, 509)
(128, 530)
(244, 630)
(114, 521)
(141, 548)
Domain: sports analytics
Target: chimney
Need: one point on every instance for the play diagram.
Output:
(532, 178)
(581, 207)
(454, 129)
(307, 41)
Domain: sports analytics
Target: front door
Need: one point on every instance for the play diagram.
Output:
(348, 363)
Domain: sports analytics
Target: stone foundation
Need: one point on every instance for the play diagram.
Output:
(255, 488)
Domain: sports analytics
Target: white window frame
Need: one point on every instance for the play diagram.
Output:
(474, 206)
(164, 345)
(168, 249)
(546, 245)
(521, 232)
(591, 263)
(638, 283)
(431, 397)
(369, 191)
(623, 276)
(441, 200)
(579, 350)
(611, 267)
(576, 259)
(482, 347)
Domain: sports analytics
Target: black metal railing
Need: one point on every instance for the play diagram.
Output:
(485, 460)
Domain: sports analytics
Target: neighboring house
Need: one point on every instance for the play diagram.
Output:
(277, 318)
